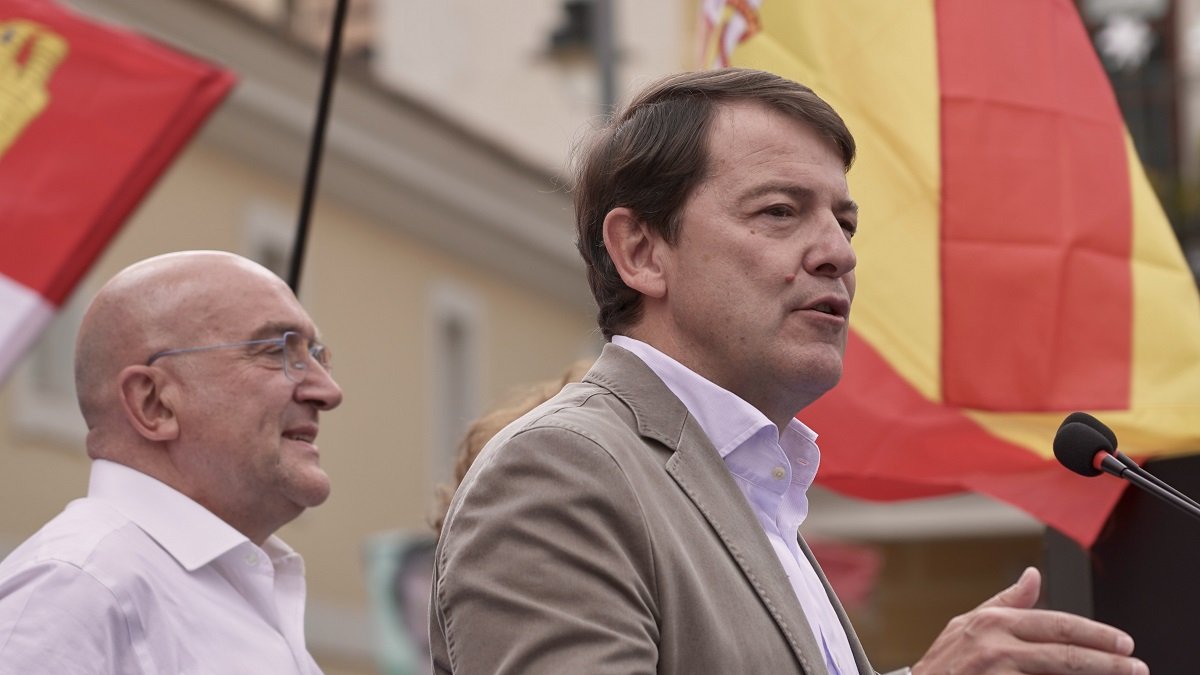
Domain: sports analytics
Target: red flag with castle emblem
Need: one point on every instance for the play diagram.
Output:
(1014, 263)
(90, 115)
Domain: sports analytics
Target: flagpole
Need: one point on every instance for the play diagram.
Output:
(312, 174)
(606, 54)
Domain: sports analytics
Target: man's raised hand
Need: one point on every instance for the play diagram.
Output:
(1006, 635)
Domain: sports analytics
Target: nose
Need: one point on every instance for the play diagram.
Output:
(830, 254)
(319, 388)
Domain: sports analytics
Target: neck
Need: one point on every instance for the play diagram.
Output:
(768, 403)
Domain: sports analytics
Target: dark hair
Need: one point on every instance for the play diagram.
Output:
(650, 156)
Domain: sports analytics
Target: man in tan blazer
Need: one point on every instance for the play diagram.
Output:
(645, 520)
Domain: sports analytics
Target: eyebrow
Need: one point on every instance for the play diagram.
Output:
(798, 193)
(274, 329)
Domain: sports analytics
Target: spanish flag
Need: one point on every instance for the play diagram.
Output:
(1014, 263)
(90, 115)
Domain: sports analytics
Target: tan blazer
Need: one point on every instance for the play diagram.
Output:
(602, 534)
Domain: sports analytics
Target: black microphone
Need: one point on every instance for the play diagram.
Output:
(1108, 434)
(1111, 437)
(1088, 452)
(1076, 446)
(1094, 423)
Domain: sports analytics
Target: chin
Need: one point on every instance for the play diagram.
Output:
(320, 493)
(312, 488)
(815, 377)
(311, 500)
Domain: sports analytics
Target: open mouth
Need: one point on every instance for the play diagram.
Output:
(831, 306)
(302, 436)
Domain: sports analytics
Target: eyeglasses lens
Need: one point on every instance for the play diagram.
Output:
(295, 348)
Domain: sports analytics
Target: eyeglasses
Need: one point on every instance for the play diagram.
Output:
(292, 348)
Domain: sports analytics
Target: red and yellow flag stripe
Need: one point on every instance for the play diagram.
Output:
(1014, 262)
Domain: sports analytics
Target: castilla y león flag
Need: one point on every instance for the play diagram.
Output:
(90, 115)
(1014, 264)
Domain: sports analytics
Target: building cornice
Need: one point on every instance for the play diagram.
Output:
(387, 156)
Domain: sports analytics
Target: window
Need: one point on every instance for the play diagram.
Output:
(44, 404)
(457, 361)
(268, 236)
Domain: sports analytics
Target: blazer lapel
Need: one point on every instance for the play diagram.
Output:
(860, 655)
(700, 473)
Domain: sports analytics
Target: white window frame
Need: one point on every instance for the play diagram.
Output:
(268, 231)
(45, 409)
(457, 371)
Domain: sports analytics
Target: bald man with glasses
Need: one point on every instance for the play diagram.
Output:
(201, 379)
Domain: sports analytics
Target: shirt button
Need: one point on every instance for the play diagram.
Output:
(779, 473)
(251, 559)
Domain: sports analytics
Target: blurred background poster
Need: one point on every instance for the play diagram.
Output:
(399, 567)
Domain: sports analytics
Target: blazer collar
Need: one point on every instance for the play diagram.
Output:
(700, 473)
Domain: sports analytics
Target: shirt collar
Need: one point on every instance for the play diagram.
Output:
(725, 418)
(185, 529)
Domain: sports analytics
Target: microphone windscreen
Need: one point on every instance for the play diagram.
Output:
(1094, 423)
(1076, 445)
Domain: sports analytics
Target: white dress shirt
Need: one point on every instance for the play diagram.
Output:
(774, 471)
(138, 579)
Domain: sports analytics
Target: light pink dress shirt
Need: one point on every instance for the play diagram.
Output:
(138, 579)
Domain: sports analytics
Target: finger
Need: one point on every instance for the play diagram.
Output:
(1022, 595)
(1047, 626)
(1072, 660)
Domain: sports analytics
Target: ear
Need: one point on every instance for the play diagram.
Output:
(147, 409)
(636, 251)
